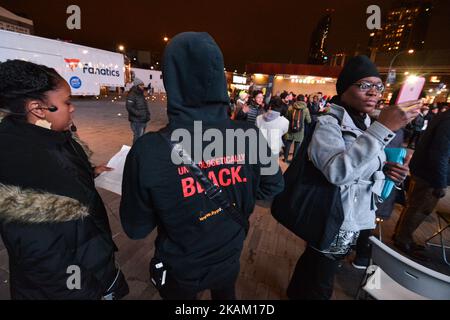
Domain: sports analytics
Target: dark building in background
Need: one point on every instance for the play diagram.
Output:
(405, 27)
(317, 51)
(422, 26)
(12, 22)
(143, 59)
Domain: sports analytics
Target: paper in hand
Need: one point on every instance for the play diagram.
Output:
(112, 180)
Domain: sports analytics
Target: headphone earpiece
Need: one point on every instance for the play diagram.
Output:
(52, 108)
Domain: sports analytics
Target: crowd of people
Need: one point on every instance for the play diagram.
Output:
(52, 218)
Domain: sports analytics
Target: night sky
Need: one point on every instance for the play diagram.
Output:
(246, 31)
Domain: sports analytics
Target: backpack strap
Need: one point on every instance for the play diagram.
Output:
(293, 118)
(212, 191)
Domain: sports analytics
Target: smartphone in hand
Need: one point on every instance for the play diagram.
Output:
(411, 90)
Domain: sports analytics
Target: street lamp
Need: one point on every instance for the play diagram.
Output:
(121, 48)
(166, 39)
(411, 51)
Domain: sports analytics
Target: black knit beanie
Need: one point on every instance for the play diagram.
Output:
(357, 68)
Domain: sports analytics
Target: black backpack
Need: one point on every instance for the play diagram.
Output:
(310, 206)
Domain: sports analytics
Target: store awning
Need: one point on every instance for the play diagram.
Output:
(293, 69)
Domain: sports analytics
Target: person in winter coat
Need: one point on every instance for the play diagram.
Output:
(286, 99)
(430, 170)
(299, 117)
(241, 104)
(52, 220)
(273, 125)
(314, 107)
(349, 151)
(254, 109)
(138, 113)
(199, 242)
(384, 211)
(418, 125)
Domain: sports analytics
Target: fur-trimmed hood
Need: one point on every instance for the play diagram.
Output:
(85, 147)
(34, 207)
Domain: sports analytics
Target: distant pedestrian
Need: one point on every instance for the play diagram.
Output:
(254, 109)
(138, 113)
(298, 117)
(273, 125)
(241, 106)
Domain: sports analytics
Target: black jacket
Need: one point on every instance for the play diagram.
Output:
(137, 106)
(51, 216)
(196, 239)
(418, 123)
(431, 158)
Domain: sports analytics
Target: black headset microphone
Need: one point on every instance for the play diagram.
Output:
(73, 128)
(50, 109)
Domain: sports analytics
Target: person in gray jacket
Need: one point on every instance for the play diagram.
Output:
(349, 151)
(138, 113)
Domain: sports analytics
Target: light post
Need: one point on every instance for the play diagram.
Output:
(411, 51)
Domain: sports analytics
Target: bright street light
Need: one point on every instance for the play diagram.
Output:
(411, 51)
(166, 39)
(121, 48)
(412, 78)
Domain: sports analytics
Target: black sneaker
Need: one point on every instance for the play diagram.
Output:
(361, 263)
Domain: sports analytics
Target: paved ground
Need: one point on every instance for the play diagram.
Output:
(270, 251)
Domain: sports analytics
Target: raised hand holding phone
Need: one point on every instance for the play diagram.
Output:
(398, 116)
(407, 106)
(411, 90)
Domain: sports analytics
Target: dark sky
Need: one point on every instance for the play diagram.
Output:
(246, 31)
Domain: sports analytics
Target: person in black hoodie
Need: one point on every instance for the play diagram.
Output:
(198, 243)
(52, 220)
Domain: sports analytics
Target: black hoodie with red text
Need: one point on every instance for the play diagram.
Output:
(196, 238)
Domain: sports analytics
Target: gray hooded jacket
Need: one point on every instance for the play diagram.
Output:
(353, 160)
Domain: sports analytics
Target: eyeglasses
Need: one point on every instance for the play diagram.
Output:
(366, 86)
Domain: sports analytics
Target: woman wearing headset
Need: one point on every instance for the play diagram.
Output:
(52, 220)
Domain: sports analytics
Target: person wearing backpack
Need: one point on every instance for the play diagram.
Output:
(347, 151)
(298, 116)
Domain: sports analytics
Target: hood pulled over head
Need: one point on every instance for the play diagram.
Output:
(194, 79)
